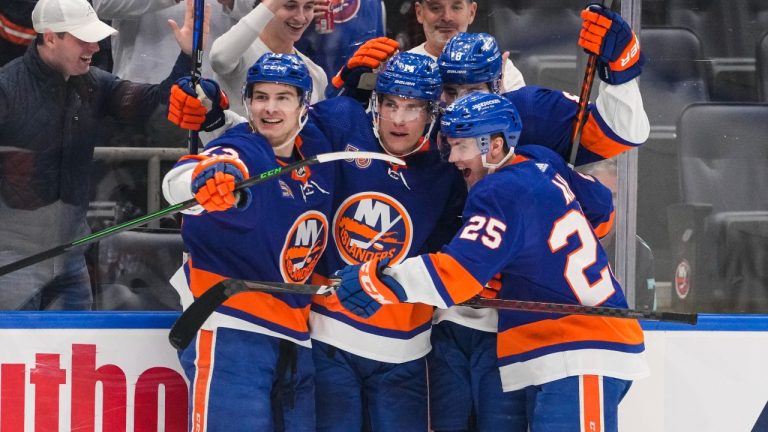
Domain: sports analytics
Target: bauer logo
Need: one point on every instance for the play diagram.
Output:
(304, 244)
(372, 225)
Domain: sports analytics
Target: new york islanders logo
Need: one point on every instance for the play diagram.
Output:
(372, 225)
(344, 10)
(304, 244)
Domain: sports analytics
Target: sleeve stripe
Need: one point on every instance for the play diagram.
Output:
(418, 282)
(437, 281)
(456, 281)
(598, 142)
(604, 228)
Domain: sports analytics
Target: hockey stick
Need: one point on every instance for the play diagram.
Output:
(275, 172)
(571, 309)
(186, 327)
(197, 65)
(586, 89)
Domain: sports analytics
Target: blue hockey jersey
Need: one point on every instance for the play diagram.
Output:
(279, 236)
(548, 117)
(533, 221)
(383, 211)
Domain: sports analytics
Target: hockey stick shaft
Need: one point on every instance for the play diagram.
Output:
(197, 65)
(521, 305)
(186, 327)
(110, 231)
(570, 309)
(581, 111)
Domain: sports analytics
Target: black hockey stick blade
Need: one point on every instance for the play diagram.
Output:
(571, 309)
(110, 231)
(193, 318)
(586, 89)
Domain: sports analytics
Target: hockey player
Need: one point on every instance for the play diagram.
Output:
(377, 366)
(463, 338)
(251, 365)
(537, 222)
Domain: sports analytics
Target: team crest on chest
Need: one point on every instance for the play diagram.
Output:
(304, 244)
(372, 225)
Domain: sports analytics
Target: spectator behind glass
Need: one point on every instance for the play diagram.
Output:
(273, 26)
(52, 103)
(442, 20)
(140, 52)
(355, 22)
(16, 32)
(645, 282)
(143, 45)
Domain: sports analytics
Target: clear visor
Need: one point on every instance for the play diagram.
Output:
(454, 92)
(461, 149)
(405, 110)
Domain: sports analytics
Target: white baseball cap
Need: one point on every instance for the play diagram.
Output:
(75, 17)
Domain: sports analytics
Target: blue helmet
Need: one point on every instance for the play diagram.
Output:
(280, 69)
(410, 75)
(471, 58)
(479, 115)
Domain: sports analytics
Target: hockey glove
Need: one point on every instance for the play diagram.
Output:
(188, 110)
(605, 34)
(366, 59)
(214, 180)
(492, 288)
(364, 288)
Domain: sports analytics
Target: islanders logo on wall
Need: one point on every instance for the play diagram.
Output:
(304, 244)
(372, 225)
(344, 10)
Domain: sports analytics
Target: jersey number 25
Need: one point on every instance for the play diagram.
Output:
(493, 230)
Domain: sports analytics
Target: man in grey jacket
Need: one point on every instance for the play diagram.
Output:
(51, 105)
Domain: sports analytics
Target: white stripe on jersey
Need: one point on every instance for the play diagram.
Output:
(417, 282)
(369, 345)
(562, 364)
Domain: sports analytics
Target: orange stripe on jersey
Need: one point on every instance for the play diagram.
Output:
(517, 159)
(202, 378)
(604, 228)
(591, 403)
(572, 328)
(594, 139)
(459, 283)
(262, 305)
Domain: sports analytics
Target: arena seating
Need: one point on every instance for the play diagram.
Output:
(673, 78)
(721, 227)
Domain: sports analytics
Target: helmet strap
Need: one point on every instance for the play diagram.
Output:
(492, 167)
